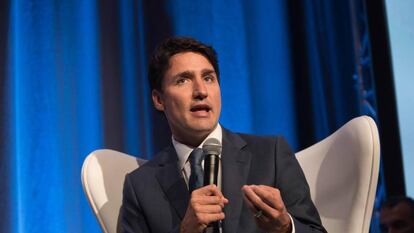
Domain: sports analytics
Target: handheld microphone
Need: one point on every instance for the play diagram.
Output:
(212, 150)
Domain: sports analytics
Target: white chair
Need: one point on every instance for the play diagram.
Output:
(342, 172)
(103, 175)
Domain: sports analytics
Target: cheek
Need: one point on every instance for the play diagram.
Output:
(177, 107)
(218, 99)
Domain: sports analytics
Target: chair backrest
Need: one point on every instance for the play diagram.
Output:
(342, 172)
(103, 175)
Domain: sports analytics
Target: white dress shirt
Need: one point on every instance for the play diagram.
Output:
(184, 151)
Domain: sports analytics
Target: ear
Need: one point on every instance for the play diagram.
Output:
(157, 100)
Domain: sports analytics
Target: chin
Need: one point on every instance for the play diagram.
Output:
(203, 128)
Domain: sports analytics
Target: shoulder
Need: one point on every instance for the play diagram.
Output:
(258, 141)
(151, 167)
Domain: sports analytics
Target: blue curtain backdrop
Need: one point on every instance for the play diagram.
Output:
(73, 79)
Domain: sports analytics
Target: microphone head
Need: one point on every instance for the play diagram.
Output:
(212, 146)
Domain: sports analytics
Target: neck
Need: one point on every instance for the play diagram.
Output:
(191, 140)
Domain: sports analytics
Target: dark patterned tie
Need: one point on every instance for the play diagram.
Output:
(196, 176)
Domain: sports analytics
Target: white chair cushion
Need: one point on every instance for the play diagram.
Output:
(342, 172)
(103, 175)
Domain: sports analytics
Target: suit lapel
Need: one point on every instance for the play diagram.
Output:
(172, 182)
(235, 169)
(235, 165)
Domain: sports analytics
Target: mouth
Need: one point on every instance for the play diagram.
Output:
(200, 108)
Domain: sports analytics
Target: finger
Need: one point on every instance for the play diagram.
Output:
(262, 218)
(271, 196)
(209, 218)
(208, 209)
(252, 203)
(217, 192)
(208, 200)
(258, 203)
(247, 200)
(210, 190)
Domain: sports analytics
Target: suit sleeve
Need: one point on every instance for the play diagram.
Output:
(131, 217)
(294, 189)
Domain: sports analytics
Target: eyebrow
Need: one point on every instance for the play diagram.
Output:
(183, 74)
(188, 73)
(207, 72)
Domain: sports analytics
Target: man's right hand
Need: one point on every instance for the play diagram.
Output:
(206, 206)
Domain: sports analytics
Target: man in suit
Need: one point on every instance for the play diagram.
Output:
(263, 188)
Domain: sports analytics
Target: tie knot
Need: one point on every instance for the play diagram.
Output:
(196, 157)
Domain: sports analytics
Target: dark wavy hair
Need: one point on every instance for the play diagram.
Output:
(393, 201)
(159, 62)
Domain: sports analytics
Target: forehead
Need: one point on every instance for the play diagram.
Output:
(188, 60)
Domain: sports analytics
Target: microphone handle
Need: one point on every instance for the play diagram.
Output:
(211, 167)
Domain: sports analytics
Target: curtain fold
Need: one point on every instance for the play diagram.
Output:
(54, 97)
(74, 80)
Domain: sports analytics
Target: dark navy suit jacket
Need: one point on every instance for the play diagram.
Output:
(156, 197)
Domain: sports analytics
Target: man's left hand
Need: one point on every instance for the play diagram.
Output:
(268, 208)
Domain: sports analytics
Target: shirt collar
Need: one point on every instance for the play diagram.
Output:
(183, 151)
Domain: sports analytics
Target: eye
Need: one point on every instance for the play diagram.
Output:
(181, 81)
(209, 78)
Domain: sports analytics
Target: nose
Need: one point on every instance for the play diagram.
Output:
(199, 89)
